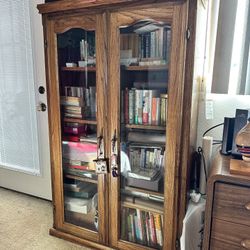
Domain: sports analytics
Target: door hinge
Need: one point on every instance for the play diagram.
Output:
(45, 44)
(188, 34)
(177, 244)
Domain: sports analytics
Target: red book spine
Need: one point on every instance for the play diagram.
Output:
(79, 167)
(71, 138)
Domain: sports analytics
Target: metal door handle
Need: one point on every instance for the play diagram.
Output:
(42, 107)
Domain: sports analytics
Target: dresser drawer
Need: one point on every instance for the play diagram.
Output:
(232, 203)
(228, 233)
(220, 245)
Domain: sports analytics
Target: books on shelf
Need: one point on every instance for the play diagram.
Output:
(145, 157)
(142, 227)
(144, 107)
(146, 40)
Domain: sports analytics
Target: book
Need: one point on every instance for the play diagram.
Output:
(138, 106)
(163, 112)
(86, 192)
(158, 229)
(126, 105)
(155, 111)
(152, 229)
(76, 130)
(71, 101)
(145, 106)
(77, 205)
(131, 104)
(144, 174)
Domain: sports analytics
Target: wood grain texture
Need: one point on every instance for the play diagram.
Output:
(219, 174)
(114, 119)
(132, 246)
(55, 134)
(78, 240)
(231, 203)
(231, 233)
(65, 5)
(54, 123)
(220, 245)
(131, 16)
(64, 24)
(174, 124)
(191, 105)
(64, 15)
(101, 87)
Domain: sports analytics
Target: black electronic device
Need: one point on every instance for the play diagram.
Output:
(227, 138)
(241, 117)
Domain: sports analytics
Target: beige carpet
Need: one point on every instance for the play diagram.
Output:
(25, 222)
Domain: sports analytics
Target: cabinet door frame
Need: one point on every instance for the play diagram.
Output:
(54, 25)
(176, 14)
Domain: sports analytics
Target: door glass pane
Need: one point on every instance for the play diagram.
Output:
(144, 59)
(76, 61)
(18, 116)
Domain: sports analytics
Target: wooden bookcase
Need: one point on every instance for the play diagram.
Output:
(120, 87)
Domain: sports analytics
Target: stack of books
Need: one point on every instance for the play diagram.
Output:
(79, 102)
(79, 189)
(77, 205)
(78, 157)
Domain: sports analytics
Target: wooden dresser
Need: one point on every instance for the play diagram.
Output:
(227, 222)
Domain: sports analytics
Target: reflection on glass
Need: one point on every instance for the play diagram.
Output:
(144, 59)
(76, 61)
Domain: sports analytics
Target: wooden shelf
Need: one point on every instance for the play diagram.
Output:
(152, 127)
(141, 207)
(81, 178)
(79, 69)
(143, 191)
(93, 122)
(147, 68)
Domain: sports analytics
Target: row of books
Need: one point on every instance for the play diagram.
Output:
(145, 157)
(142, 227)
(79, 102)
(143, 106)
(154, 44)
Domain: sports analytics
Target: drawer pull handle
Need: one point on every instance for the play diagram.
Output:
(247, 206)
(245, 244)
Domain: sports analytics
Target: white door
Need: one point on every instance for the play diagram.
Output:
(24, 140)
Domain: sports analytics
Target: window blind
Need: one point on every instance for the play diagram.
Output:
(18, 121)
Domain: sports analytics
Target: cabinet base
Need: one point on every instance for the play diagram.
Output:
(77, 240)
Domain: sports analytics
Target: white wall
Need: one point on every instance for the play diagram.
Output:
(223, 105)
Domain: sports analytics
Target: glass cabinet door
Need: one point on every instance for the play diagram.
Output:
(144, 60)
(77, 86)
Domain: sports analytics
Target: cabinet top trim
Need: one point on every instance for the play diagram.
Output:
(66, 5)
